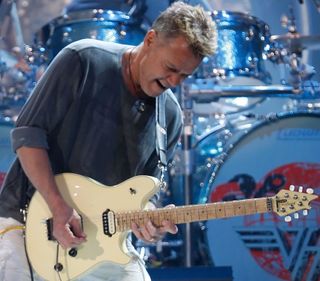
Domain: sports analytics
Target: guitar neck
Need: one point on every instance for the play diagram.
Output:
(193, 213)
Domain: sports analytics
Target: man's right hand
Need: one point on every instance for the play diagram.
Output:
(67, 227)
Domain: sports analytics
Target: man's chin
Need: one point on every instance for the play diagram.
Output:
(154, 93)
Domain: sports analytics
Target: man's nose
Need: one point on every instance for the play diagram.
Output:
(174, 79)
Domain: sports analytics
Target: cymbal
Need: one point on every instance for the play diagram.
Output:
(296, 42)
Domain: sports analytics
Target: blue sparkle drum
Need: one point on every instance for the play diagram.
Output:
(105, 25)
(242, 40)
(7, 155)
(256, 160)
(242, 44)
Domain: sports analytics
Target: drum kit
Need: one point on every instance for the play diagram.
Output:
(228, 151)
(217, 100)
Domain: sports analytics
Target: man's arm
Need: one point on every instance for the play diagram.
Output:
(66, 221)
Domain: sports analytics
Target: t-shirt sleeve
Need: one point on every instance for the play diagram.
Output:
(46, 107)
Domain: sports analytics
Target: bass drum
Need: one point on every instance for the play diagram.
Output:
(105, 25)
(7, 155)
(272, 155)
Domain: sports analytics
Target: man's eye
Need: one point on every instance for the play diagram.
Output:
(172, 69)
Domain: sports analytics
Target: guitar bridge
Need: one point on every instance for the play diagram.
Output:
(108, 222)
(49, 223)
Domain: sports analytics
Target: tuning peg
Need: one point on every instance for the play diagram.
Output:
(309, 190)
(291, 187)
(296, 215)
(287, 219)
(300, 188)
(305, 212)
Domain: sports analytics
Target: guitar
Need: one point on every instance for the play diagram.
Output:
(108, 212)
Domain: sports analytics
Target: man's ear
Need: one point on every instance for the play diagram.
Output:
(150, 37)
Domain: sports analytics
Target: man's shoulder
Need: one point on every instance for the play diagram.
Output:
(99, 45)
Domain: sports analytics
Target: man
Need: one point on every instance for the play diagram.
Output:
(93, 113)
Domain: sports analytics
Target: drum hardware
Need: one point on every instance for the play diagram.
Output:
(296, 43)
(208, 95)
(289, 49)
(154, 253)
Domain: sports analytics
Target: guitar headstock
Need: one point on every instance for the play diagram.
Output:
(290, 201)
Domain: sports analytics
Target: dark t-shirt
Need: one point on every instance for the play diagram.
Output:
(90, 124)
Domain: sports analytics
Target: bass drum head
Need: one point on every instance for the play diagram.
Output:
(6, 152)
(272, 156)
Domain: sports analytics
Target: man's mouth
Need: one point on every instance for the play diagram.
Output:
(160, 85)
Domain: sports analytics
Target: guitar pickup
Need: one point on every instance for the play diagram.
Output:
(108, 222)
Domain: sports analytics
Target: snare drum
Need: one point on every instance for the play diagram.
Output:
(258, 162)
(6, 152)
(106, 25)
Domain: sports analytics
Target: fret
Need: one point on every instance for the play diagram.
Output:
(250, 207)
(180, 216)
(238, 208)
(187, 214)
(173, 215)
(261, 205)
(229, 209)
(203, 213)
(168, 214)
(124, 221)
(161, 216)
(195, 214)
(128, 218)
(211, 211)
(118, 223)
(220, 210)
(156, 218)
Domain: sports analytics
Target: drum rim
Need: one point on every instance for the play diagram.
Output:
(98, 15)
(276, 117)
(236, 17)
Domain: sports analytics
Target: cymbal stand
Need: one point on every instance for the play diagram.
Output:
(9, 8)
(186, 104)
(292, 57)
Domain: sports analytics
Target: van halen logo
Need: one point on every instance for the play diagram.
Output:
(289, 251)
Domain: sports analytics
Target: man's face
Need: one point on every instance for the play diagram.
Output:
(164, 63)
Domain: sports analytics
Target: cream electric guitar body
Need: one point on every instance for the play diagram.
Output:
(107, 214)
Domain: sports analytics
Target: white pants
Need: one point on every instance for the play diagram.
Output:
(14, 265)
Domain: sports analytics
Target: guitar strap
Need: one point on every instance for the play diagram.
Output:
(161, 135)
